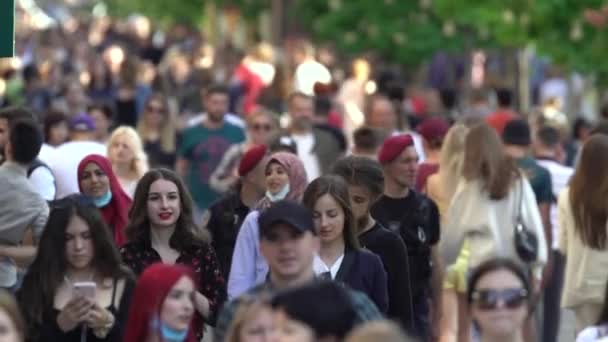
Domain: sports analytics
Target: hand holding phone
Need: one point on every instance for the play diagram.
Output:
(85, 289)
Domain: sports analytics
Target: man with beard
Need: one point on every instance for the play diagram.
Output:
(203, 146)
(317, 148)
(415, 218)
(365, 186)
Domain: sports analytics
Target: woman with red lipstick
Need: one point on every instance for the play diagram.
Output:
(162, 305)
(98, 182)
(162, 230)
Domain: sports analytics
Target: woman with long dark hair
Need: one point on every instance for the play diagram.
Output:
(491, 198)
(162, 229)
(340, 257)
(97, 181)
(76, 247)
(583, 238)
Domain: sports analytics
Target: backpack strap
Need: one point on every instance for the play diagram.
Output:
(36, 164)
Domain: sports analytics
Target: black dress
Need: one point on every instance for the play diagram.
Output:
(50, 331)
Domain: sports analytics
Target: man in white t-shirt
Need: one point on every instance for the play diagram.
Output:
(550, 155)
(68, 156)
(228, 117)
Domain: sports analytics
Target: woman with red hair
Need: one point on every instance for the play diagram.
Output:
(97, 181)
(162, 308)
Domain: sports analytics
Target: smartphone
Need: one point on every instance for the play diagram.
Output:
(85, 289)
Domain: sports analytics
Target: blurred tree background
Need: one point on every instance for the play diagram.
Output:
(410, 32)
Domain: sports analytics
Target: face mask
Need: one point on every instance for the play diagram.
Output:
(280, 195)
(102, 201)
(169, 334)
(172, 335)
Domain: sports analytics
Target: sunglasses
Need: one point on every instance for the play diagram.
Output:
(72, 200)
(155, 109)
(490, 299)
(261, 127)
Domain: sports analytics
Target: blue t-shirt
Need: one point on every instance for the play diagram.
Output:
(204, 148)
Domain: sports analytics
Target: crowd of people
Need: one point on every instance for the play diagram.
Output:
(144, 198)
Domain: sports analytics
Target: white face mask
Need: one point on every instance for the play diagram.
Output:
(280, 195)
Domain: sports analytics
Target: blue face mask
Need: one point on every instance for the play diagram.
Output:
(279, 195)
(169, 334)
(172, 335)
(102, 201)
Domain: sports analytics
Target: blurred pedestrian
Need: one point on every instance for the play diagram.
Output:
(415, 218)
(163, 305)
(253, 322)
(365, 185)
(285, 179)
(128, 158)
(262, 126)
(340, 257)
(76, 247)
(288, 242)
(97, 181)
(157, 129)
(162, 229)
(226, 216)
(69, 155)
(23, 210)
(582, 218)
(203, 146)
(433, 131)
(500, 298)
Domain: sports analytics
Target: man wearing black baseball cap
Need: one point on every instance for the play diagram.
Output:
(289, 243)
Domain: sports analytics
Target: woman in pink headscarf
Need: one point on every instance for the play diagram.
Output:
(285, 179)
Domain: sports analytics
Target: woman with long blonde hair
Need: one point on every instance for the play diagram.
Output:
(489, 202)
(440, 187)
(158, 131)
(129, 161)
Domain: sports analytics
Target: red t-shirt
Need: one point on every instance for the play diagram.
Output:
(499, 119)
(425, 170)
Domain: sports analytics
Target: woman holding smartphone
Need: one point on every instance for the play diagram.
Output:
(76, 285)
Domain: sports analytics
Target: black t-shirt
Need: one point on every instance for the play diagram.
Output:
(225, 220)
(416, 219)
(391, 250)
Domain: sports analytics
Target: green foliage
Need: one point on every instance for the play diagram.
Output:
(162, 12)
(410, 31)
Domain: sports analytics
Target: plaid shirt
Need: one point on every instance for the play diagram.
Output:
(365, 309)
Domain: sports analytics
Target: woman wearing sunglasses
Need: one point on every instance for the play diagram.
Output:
(499, 299)
(158, 132)
(261, 128)
(77, 284)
